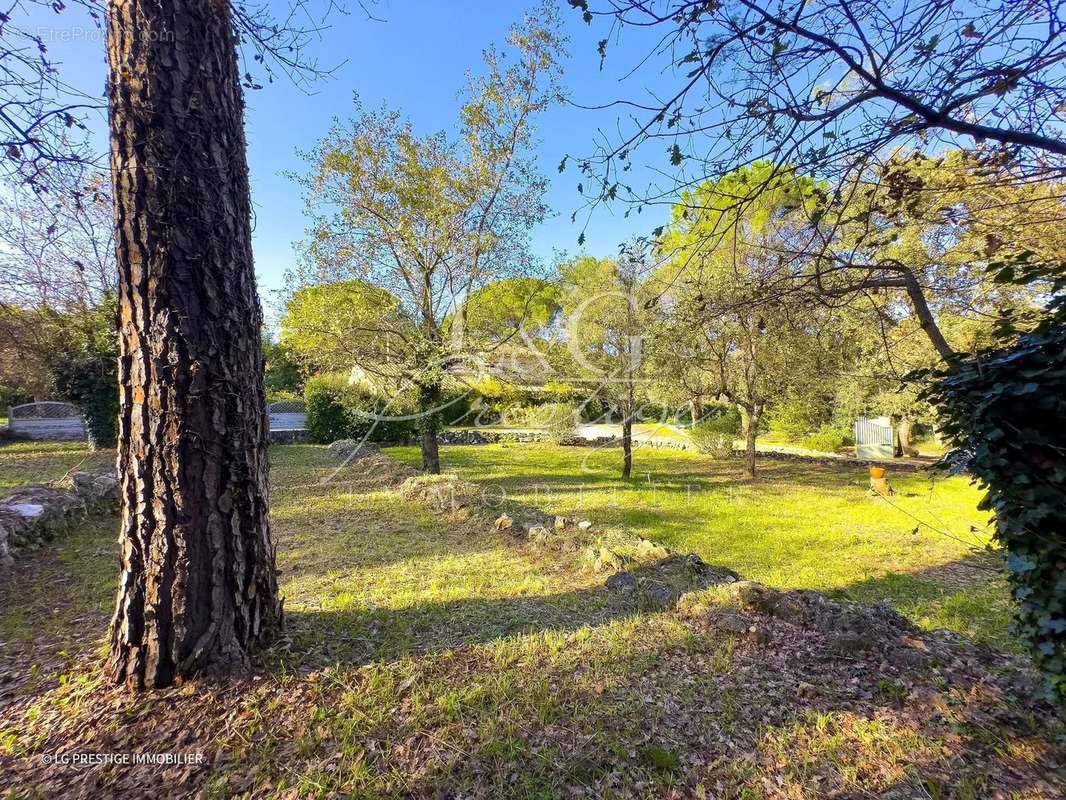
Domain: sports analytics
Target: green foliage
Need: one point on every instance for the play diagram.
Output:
(499, 309)
(828, 439)
(279, 395)
(557, 420)
(84, 369)
(1004, 413)
(337, 409)
(797, 415)
(282, 373)
(715, 435)
(335, 326)
(12, 396)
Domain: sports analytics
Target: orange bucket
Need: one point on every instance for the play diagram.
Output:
(877, 472)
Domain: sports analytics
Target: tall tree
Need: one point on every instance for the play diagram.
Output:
(433, 220)
(753, 344)
(198, 589)
(608, 317)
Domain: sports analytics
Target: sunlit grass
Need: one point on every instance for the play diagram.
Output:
(425, 653)
(798, 525)
(24, 462)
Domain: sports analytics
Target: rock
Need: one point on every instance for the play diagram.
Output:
(538, 534)
(465, 436)
(584, 525)
(846, 644)
(659, 594)
(755, 596)
(93, 487)
(706, 575)
(790, 609)
(503, 523)
(33, 514)
(621, 582)
(910, 658)
(649, 551)
(731, 623)
(608, 560)
(561, 522)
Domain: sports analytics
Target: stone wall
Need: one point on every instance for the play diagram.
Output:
(35, 514)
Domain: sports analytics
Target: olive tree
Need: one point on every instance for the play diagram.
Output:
(433, 219)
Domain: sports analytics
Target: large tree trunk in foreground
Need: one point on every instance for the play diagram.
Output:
(198, 588)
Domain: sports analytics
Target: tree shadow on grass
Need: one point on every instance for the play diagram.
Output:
(367, 634)
(649, 709)
(968, 595)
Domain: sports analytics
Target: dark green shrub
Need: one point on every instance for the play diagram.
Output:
(281, 373)
(1004, 413)
(10, 396)
(327, 416)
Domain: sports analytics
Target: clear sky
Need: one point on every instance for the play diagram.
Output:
(414, 60)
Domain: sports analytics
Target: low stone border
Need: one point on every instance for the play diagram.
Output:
(291, 436)
(35, 514)
(471, 436)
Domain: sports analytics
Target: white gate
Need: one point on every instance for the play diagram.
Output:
(48, 419)
(874, 438)
(287, 415)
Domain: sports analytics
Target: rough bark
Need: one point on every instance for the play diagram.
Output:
(198, 588)
(627, 447)
(904, 446)
(430, 449)
(695, 408)
(429, 400)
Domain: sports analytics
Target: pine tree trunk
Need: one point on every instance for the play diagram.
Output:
(627, 447)
(198, 589)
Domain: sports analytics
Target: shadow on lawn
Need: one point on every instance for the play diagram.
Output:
(318, 638)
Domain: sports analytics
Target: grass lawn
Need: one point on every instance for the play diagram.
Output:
(799, 525)
(426, 655)
(43, 462)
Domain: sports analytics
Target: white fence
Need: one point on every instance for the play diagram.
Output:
(48, 419)
(287, 415)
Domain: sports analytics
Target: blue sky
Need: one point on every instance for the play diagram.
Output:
(414, 60)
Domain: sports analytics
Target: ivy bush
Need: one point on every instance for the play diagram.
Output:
(1005, 413)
